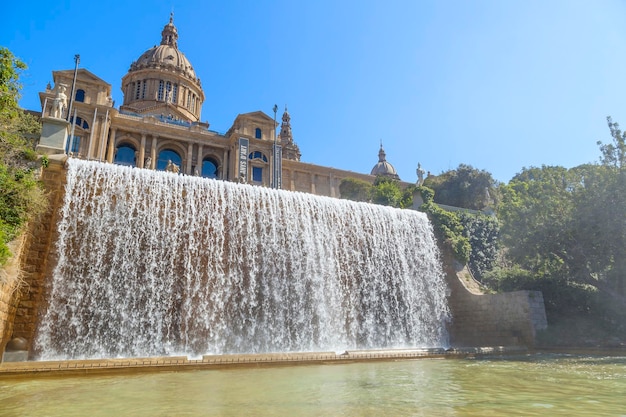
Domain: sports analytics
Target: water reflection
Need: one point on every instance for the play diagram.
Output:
(555, 385)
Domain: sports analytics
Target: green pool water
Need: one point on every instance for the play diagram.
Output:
(529, 385)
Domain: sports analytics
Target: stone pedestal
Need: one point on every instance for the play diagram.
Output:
(17, 356)
(54, 133)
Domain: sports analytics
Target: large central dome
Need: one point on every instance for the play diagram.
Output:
(166, 55)
(163, 82)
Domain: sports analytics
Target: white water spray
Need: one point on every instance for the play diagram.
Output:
(153, 263)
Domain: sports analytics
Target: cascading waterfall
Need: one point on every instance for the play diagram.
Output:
(153, 263)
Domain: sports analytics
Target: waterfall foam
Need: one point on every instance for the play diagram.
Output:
(153, 263)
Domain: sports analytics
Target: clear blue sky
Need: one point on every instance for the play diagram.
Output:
(497, 84)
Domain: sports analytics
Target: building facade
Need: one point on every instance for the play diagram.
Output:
(158, 127)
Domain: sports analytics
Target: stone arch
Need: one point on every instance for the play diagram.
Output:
(211, 166)
(178, 156)
(126, 147)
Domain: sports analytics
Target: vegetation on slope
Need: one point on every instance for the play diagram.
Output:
(21, 195)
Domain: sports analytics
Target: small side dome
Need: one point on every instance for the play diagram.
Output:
(384, 168)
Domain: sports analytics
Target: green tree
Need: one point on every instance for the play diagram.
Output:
(536, 214)
(21, 195)
(465, 187)
(614, 154)
(386, 192)
(355, 189)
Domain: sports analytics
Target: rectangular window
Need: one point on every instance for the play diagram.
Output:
(257, 174)
(143, 92)
(75, 144)
(175, 94)
(138, 90)
(160, 96)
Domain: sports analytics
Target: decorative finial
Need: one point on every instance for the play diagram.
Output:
(172, 16)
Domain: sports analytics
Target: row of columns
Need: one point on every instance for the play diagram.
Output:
(141, 157)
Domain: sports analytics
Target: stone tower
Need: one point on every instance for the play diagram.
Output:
(290, 149)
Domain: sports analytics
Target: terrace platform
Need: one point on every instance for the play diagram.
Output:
(208, 362)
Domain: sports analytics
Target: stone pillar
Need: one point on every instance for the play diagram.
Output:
(153, 154)
(111, 150)
(222, 169)
(90, 149)
(142, 151)
(189, 158)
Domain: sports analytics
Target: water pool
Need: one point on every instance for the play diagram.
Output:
(525, 385)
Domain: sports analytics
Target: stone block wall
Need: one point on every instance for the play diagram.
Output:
(10, 278)
(35, 262)
(505, 319)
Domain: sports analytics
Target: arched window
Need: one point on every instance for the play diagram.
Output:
(167, 155)
(257, 171)
(80, 123)
(209, 168)
(125, 155)
(257, 155)
(257, 133)
(80, 95)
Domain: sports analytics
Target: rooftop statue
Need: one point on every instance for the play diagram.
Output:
(60, 102)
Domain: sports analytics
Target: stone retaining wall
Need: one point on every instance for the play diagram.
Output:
(35, 260)
(505, 319)
(10, 278)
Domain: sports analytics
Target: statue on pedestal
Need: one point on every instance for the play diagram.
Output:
(60, 102)
(420, 175)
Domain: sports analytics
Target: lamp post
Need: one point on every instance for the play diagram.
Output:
(274, 183)
(69, 109)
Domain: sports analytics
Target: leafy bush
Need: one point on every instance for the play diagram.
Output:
(21, 194)
(447, 226)
(482, 232)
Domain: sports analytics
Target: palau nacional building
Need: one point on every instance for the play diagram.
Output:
(158, 127)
